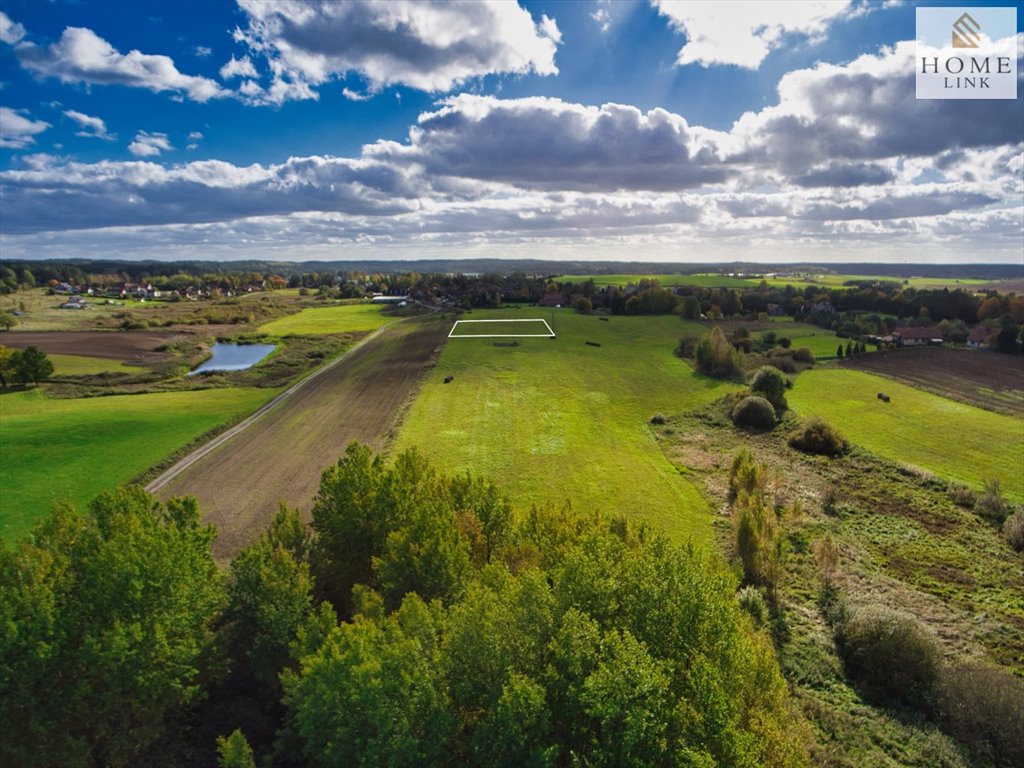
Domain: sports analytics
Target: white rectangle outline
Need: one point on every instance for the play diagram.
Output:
(549, 335)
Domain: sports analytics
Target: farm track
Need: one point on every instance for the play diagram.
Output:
(115, 345)
(280, 453)
(988, 380)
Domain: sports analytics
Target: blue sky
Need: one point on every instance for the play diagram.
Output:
(661, 130)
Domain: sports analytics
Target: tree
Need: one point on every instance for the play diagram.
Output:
(234, 751)
(839, 351)
(106, 629)
(771, 383)
(7, 320)
(583, 305)
(8, 365)
(715, 356)
(691, 308)
(32, 365)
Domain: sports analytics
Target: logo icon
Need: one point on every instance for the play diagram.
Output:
(966, 32)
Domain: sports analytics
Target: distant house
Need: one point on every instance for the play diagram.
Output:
(918, 337)
(389, 299)
(982, 336)
(552, 300)
(776, 310)
(64, 288)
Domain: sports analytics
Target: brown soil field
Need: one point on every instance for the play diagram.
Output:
(281, 456)
(979, 377)
(129, 346)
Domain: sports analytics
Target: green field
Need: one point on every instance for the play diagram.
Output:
(950, 439)
(57, 450)
(556, 420)
(822, 343)
(525, 327)
(346, 318)
(80, 365)
(667, 281)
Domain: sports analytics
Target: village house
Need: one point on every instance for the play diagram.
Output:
(74, 302)
(917, 337)
(982, 336)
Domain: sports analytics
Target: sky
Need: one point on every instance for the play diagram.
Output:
(640, 130)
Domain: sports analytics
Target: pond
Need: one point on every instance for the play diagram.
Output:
(234, 357)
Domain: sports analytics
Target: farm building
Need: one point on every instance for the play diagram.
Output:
(917, 337)
(381, 299)
(982, 336)
(551, 300)
(74, 302)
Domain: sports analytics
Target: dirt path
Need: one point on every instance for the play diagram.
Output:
(279, 453)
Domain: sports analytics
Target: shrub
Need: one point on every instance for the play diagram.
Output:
(1013, 530)
(583, 305)
(746, 475)
(981, 706)
(658, 418)
(785, 341)
(687, 346)
(715, 356)
(771, 384)
(962, 496)
(752, 602)
(830, 501)
(804, 355)
(756, 540)
(754, 413)
(784, 364)
(888, 654)
(991, 504)
(817, 436)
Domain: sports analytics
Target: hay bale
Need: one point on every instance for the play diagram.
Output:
(448, 379)
(592, 344)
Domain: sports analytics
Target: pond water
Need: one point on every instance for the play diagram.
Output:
(234, 357)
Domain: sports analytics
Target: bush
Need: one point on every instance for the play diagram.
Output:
(715, 356)
(804, 355)
(746, 475)
(771, 384)
(962, 496)
(658, 418)
(991, 504)
(891, 656)
(785, 341)
(1013, 530)
(754, 413)
(583, 305)
(817, 436)
(752, 602)
(981, 706)
(687, 347)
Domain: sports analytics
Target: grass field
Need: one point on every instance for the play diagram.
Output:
(80, 365)
(346, 318)
(556, 420)
(667, 281)
(822, 343)
(950, 439)
(57, 450)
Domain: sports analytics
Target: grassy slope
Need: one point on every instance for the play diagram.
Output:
(346, 318)
(902, 544)
(551, 420)
(951, 439)
(54, 450)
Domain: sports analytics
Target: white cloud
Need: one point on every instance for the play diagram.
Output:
(17, 131)
(149, 144)
(603, 19)
(238, 68)
(743, 32)
(81, 56)
(351, 95)
(202, 51)
(428, 46)
(195, 136)
(91, 127)
(10, 31)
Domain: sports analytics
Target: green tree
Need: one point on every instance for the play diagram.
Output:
(516, 733)
(757, 541)
(771, 384)
(32, 365)
(715, 356)
(691, 308)
(105, 629)
(8, 365)
(839, 351)
(234, 751)
(7, 320)
(583, 305)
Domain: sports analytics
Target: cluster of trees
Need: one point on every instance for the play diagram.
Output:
(420, 623)
(24, 366)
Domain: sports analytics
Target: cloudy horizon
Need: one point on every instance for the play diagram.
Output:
(652, 131)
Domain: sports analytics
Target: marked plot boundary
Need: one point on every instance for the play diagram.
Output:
(549, 335)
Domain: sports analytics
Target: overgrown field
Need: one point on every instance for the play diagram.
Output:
(57, 450)
(346, 318)
(557, 420)
(80, 365)
(902, 543)
(953, 440)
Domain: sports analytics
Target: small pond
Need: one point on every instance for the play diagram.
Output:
(234, 357)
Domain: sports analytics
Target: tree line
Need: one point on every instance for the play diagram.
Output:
(420, 621)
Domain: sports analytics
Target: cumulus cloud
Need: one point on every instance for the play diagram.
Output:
(10, 31)
(429, 46)
(17, 130)
(195, 136)
(743, 33)
(238, 68)
(91, 127)
(149, 144)
(551, 144)
(82, 56)
(602, 17)
(202, 51)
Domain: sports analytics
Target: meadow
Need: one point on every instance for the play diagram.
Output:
(71, 450)
(80, 365)
(709, 280)
(953, 440)
(344, 318)
(552, 420)
(800, 280)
